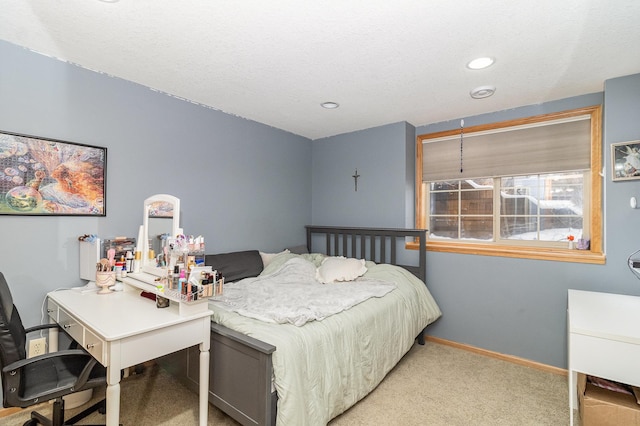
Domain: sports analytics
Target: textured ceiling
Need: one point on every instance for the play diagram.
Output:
(383, 61)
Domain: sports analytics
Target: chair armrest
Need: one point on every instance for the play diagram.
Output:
(18, 365)
(41, 327)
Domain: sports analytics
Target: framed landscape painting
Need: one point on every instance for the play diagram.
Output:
(49, 177)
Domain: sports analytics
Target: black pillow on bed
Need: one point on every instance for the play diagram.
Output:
(236, 265)
(301, 249)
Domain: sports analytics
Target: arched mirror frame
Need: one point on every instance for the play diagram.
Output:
(148, 265)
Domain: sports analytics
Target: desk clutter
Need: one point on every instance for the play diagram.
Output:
(196, 284)
(187, 279)
(104, 255)
(180, 272)
(102, 261)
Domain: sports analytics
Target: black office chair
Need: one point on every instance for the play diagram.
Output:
(26, 382)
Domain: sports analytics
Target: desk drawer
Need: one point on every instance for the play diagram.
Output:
(95, 346)
(52, 309)
(71, 326)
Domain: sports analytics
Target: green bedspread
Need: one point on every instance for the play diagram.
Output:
(324, 367)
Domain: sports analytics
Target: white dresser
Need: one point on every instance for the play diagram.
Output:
(603, 338)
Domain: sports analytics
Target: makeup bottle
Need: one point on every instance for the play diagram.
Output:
(181, 281)
(175, 277)
(194, 292)
(129, 261)
(204, 284)
(169, 279)
(219, 284)
(189, 288)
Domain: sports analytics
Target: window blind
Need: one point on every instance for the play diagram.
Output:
(544, 147)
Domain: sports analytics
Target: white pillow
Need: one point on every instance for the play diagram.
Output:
(340, 268)
(268, 257)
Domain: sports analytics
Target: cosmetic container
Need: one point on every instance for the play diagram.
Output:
(175, 277)
(136, 261)
(162, 302)
(129, 261)
(181, 281)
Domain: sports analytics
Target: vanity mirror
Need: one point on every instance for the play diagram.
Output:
(161, 217)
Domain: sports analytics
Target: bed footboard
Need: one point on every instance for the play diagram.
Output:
(240, 375)
(240, 383)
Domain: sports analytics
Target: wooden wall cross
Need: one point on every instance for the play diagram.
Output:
(355, 179)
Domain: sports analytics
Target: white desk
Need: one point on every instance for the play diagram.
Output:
(603, 338)
(123, 329)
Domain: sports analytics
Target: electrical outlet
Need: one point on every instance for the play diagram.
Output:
(37, 347)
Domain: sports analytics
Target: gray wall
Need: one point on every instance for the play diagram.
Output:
(242, 184)
(381, 155)
(511, 306)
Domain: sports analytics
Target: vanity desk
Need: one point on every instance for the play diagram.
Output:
(123, 329)
(603, 338)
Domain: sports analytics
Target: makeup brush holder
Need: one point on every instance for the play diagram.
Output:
(104, 280)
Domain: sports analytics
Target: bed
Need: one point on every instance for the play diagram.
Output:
(270, 373)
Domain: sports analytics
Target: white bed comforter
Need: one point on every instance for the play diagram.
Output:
(293, 295)
(324, 367)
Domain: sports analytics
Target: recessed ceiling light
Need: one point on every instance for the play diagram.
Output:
(482, 92)
(480, 63)
(330, 105)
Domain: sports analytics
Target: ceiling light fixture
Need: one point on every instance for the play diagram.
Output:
(330, 105)
(480, 63)
(482, 92)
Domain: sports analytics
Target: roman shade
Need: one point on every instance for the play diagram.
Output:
(544, 147)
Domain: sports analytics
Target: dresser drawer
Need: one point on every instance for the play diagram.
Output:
(71, 326)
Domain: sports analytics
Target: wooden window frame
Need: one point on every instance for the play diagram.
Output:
(594, 255)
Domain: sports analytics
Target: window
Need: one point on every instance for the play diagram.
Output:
(542, 208)
(516, 188)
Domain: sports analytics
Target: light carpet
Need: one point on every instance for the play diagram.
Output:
(432, 385)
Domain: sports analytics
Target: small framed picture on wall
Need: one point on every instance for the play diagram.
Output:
(625, 160)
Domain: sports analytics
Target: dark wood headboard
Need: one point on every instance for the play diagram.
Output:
(376, 244)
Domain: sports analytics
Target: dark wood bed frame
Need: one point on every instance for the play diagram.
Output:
(240, 374)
